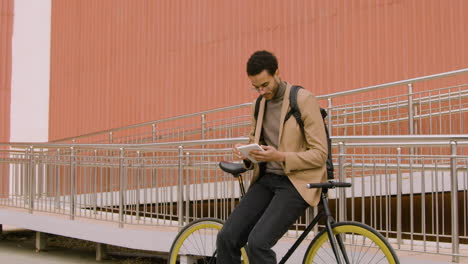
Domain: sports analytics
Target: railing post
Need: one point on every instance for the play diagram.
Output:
(454, 202)
(121, 188)
(31, 179)
(95, 183)
(72, 183)
(180, 187)
(24, 176)
(40, 173)
(342, 191)
(187, 189)
(203, 126)
(399, 193)
(153, 132)
(410, 110)
(138, 186)
(330, 131)
(57, 181)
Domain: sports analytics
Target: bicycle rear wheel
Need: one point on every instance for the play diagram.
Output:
(196, 243)
(362, 245)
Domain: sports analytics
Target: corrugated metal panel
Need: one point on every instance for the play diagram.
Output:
(6, 30)
(122, 62)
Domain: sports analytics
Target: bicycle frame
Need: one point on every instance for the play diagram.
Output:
(334, 233)
(329, 220)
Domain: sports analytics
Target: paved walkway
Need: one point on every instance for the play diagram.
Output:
(20, 249)
(23, 252)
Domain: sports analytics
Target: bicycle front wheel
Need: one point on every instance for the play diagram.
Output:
(362, 245)
(196, 243)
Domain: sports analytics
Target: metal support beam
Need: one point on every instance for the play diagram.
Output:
(41, 241)
(399, 198)
(203, 126)
(31, 178)
(454, 203)
(180, 187)
(187, 260)
(72, 183)
(101, 251)
(410, 110)
(342, 177)
(329, 110)
(121, 188)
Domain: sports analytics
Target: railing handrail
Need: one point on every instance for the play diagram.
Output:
(338, 94)
(403, 140)
(157, 121)
(393, 84)
(126, 146)
(392, 139)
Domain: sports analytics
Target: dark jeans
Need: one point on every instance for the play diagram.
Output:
(269, 208)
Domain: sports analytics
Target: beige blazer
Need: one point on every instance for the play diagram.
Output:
(305, 157)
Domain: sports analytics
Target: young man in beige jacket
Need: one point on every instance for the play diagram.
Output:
(277, 195)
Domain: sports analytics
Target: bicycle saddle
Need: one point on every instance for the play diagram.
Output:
(232, 168)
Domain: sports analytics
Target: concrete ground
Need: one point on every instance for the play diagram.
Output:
(17, 246)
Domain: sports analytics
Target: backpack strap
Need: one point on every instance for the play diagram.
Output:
(296, 112)
(330, 168)
(294, 108)
(257, 106)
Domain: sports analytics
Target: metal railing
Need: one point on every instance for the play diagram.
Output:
(442, 110)
(410, 188)
(413, 189)
(127, 184)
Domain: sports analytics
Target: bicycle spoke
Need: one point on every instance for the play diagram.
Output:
(358, 247)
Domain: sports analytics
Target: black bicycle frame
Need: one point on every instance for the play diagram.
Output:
(329, 220)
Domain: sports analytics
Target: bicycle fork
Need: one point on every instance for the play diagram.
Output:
(339, 241)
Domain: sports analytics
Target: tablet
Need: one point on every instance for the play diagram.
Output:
(245, 150)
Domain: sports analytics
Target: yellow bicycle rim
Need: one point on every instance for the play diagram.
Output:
(350, 229)
(191, 230)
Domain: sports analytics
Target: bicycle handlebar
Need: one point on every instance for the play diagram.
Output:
(328, 185)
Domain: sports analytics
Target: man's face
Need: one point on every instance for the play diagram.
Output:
(265, 84)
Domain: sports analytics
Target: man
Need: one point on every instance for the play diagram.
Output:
(277, 195)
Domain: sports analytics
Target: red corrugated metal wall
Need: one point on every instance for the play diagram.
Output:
(122, 62)
(6, 31)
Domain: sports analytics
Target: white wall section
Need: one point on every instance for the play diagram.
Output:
(30, 71)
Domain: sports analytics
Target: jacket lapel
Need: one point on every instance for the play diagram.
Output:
(284, 110)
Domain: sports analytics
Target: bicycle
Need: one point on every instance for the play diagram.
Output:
(350, 242)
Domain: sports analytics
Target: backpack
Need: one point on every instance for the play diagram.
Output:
(295, 111)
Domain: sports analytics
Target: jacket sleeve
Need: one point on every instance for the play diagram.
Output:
(316, 148)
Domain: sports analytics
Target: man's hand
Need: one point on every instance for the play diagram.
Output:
(237, 153)
(270, 154)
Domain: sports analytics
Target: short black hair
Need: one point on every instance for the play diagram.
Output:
(262, 60)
